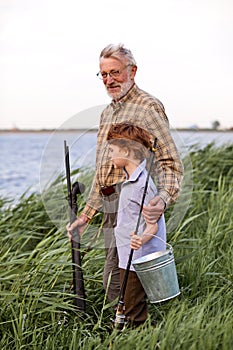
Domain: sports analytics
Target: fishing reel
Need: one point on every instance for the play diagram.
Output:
(120, 321)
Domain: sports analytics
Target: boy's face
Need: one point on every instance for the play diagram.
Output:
(118, 156)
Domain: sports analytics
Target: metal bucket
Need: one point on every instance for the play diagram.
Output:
(157, 273)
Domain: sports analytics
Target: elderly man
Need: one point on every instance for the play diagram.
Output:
(129, 104)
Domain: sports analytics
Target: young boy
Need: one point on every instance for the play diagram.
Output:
(129, 148)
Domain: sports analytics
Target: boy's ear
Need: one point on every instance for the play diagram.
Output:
(125, 151)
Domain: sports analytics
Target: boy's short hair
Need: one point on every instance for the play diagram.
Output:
(132, 137)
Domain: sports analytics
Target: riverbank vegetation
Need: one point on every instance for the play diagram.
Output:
(36, 300)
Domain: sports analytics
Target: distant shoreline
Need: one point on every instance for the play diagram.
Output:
(41, 131)
(19, 131)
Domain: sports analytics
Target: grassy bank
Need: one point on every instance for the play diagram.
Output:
(36, 301)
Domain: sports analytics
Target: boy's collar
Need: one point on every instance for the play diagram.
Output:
(137, 171)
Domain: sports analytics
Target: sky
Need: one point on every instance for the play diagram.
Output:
(49, 54)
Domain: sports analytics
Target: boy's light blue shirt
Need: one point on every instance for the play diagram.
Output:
(128, 211)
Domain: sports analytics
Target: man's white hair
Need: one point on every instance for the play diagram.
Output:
(119, 52)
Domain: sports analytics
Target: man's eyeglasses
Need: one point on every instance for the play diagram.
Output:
(113, 74)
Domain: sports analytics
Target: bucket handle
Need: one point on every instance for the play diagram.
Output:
(155, 236)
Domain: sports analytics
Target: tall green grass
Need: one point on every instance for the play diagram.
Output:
(36, 300)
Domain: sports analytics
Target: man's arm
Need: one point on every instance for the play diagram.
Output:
(168, 165)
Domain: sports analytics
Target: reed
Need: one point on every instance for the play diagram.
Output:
(36, 301)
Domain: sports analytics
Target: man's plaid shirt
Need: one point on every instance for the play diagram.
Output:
(144, 110)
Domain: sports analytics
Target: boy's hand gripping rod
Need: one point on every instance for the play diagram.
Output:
(119, 322)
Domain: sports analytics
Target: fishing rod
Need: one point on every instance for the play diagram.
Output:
(119, 322)
(78, 282)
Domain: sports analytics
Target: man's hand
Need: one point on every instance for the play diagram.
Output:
(154, 210)
(81, 223)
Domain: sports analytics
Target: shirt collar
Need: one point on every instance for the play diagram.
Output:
(128, 96)
(137, 172)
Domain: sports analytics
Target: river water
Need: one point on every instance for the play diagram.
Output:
(29, 160)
